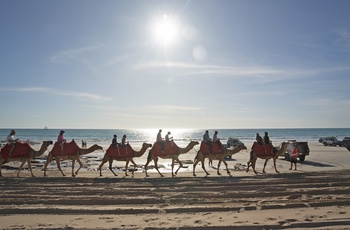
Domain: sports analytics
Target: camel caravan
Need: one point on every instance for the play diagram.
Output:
(166, 148)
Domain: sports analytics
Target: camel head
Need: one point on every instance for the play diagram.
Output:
(96, 147)
(282, 149)
(194, 143)
(47, 143)
(146, 145)
(242, 146)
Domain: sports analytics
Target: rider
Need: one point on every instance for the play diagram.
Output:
(11, 140)
(217, 140)
(207, 140)
(169, 139)
(160, 140)
(61, 140)
(115, 142)
(125, 143)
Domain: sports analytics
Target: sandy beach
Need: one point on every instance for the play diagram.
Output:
(316, 196)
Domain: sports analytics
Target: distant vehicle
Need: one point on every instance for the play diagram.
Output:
(303, 149)
(346, 143)
(233, 142)
(331, 141)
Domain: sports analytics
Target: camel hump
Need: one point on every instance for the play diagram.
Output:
(20, 150)
(262, 150)
(164, 148)
(211, 147)
(69, 148)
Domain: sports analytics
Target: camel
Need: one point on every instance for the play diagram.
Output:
(200, 157)
(276, 152)
(27, 157)
(128, 159)
(75, 157)
(173, 157)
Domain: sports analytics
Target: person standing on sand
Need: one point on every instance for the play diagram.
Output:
(160, 140)
(207, 140)
(61, 140)
(294, 157)
(11, 140)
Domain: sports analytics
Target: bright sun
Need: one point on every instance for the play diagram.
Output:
(165, 31)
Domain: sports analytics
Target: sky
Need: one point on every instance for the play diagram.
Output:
(182, 64)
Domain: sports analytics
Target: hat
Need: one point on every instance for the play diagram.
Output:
(216, 131)
(62, 131)
(114, 135)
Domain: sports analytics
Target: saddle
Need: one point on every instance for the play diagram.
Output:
(259, 149)
(69, 148)
(170, 148)
(120, 151)
(20, 150)
(216, 148)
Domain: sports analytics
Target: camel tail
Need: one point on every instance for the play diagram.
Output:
(149, 157)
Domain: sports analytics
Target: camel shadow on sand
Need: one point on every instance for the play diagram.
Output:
(315, 164)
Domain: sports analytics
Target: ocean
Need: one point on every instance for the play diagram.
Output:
(181, 136)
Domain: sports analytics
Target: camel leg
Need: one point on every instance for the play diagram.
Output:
(180, 166)
(249, 163)
(110, 166)
(80, 166)
(20, 167)
(126, 168)
(146, 167)
(253, 165)
(203, 167)
(30, 167)
(194, 166)
(218, 170)
(172, 167)
(104, 160)
(135, 165)
(274, 163)
(228, 171)
(156, 166)
(210, 163)
(266, 160)
(0, 167)
(73, 163)
(59, 166)
(48, 160)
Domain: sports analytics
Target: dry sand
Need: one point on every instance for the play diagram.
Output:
(316, 196)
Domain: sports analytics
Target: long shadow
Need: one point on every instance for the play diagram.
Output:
(315, 164)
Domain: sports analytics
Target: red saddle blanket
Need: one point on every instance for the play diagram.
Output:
(170, 148)
(259, 150)
(69, 148)
(121, 151)
(216, 148)
(20, 150)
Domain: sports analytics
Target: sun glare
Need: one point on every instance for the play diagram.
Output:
(165, 30)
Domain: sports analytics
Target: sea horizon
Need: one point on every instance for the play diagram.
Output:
(181, 136)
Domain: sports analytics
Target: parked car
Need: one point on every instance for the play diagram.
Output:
(303, 149)
(331, 141)
(233, 142)
(346, 143)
